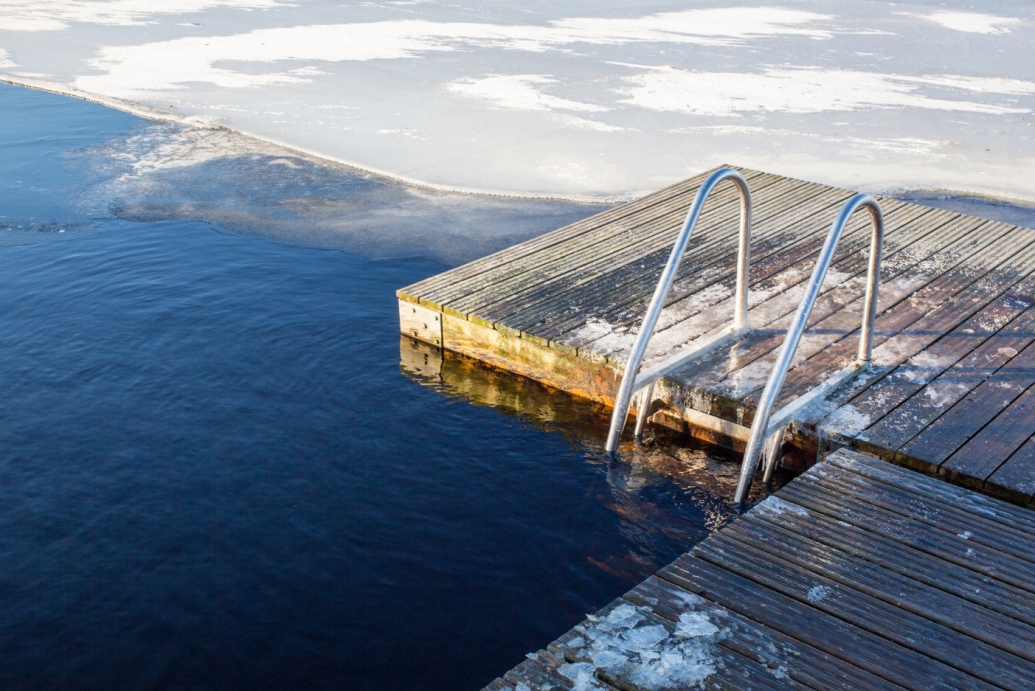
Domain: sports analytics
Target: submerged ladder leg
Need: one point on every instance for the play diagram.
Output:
(766, 424)
(643, 409)
(633, 380)
(773, 448)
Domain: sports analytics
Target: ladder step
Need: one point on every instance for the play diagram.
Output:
(784, 415)
(698, 348)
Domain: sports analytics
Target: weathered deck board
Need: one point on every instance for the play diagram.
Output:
(791, 597)
(951, 390)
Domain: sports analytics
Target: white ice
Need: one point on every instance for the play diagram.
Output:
(602, 100)
(628, 644)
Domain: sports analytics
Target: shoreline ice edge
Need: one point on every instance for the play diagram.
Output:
(156, 114)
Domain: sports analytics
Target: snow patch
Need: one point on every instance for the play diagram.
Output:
(775, 506)
(56, 15)
(911, 375)
(518, 92)
(5, 60)
(802, 90)
(167, 65)
(592, 330)
(846, 421)
(897, 349)
(818, 592)
(749, 378)
(942, 394)
(928, 360)
(973, 22)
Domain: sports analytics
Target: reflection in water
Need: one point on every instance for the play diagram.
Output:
(214, 476)
(707, 474)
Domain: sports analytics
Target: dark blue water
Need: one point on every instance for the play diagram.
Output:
(213, 474)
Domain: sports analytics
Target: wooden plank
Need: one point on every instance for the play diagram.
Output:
(1016, 477)
(979, 458)
(929, 602)
(716, 225)
(951, 430)
(896, 283)
(736, 388)
(768, 316)
(524, 249)
(832, 635)
(600, 252)
(420, 322)
(869, 402)
(1004, 514)
(968, 655)
(552, 367)
(945, 517)
(638, 208)
(801, 233)
(598, 297)
(903, 422)
(902, 330)
(783, 656)
(539, 672)
(928, 314)
(700, 301)
(923, 567)
(895, 349)
(793, 236)
(984, 560)
(630, 229)
(851, 577)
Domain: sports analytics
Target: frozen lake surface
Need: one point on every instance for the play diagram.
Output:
(573, 99)
(214, 474)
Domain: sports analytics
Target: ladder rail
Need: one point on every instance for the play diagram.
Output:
(630, 384)
(763, 428)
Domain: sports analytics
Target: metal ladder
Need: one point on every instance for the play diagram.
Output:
(634, 381)
(768, 429)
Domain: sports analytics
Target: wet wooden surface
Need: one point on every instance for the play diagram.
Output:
(953, 385)
(856, 575)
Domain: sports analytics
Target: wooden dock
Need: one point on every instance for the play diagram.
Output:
(856, 575)
(951, 391)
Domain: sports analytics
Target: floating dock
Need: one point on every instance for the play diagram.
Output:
(951, 388)
(856, 575)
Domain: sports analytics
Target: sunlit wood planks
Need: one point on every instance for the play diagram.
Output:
(951, 391)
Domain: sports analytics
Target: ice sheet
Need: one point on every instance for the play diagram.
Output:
(168, 171)
(604, 100)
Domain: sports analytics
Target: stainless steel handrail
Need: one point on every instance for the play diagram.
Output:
(632, 380)
(764, 428)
